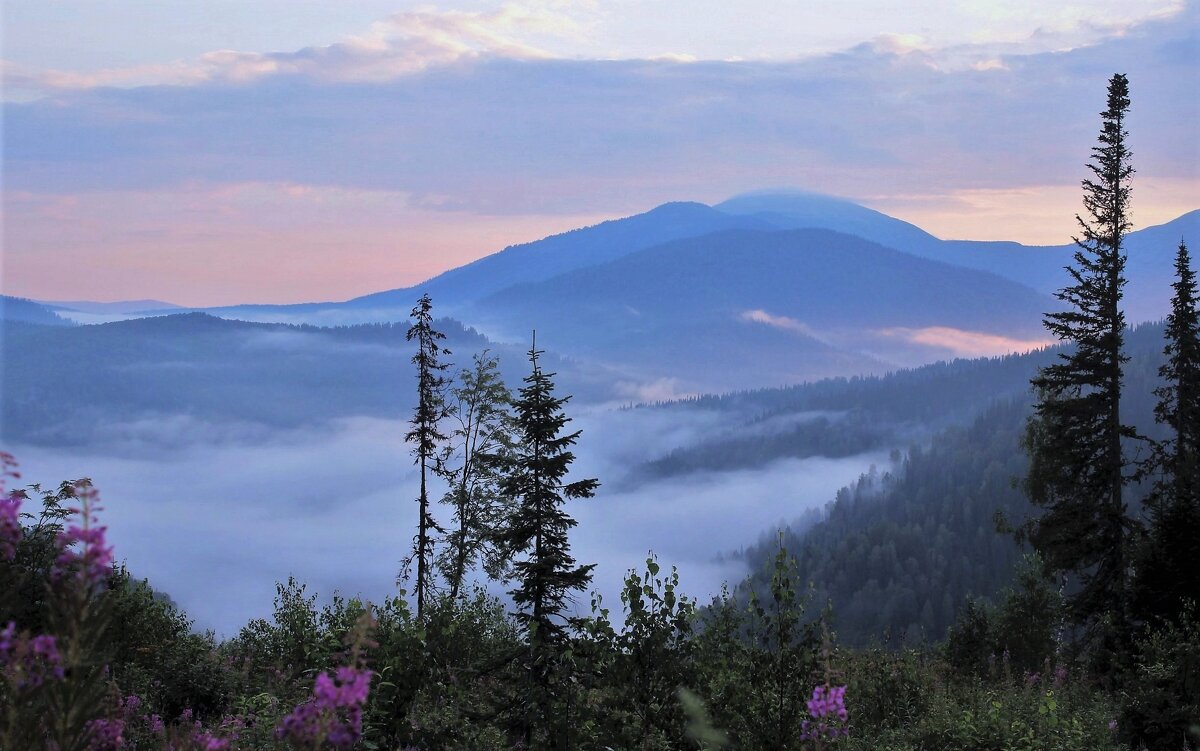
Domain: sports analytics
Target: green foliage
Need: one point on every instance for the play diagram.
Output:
(1162, 696)
(155, 653)
(633, 676)
(758, 659)
(473, 463)
(443, 682)
(908, 701)
(1023, 630)
(25, 598)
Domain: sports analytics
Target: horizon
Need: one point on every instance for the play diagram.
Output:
(435, 274)
(278, 153)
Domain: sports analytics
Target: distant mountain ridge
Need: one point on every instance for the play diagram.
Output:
(29, 311)
(567, 252)
(804, 285)
(1039, 267)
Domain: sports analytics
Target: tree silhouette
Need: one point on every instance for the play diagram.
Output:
(1077, 466)
(426, 435)
(537, 537)
(1167, 572)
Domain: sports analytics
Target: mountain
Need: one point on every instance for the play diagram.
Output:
(1151, 250)
(121, 306)
(686, 292)
(517, 264)
(28, 311)
(793, 209)
(751, 307)
(569, 251)
(179, 373)
(1149, 268)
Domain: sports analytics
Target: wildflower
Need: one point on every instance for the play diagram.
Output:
(334, 714)
(106, 735)
(209, 742)
(29, 662)
(10, 525)
(82, 547)
(10, 511)
(1112, 725)
(1032, 679)
(1060, 675)
(827, 703)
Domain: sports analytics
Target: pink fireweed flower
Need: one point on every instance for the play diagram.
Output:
(82, 548)
(28, 662)
(10, 510)
(827, 708)
(10, 526)
(334, 714)
(106, 735)
(209, 742)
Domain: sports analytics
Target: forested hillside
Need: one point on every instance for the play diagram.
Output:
(899, 553)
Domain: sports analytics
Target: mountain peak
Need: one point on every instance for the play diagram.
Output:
(799, 209)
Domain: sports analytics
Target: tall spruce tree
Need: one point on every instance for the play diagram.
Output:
(1077, 473)
(536, 536)
(426, 435)
(1167, 569)
(474, 463)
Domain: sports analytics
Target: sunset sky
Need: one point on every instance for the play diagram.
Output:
(212, 152)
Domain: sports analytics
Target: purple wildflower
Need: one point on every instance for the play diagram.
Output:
(155, 725)
(1112, 725)
(827, 707)
(29, 662)
(334, 714)
(209, 742)
(106, 735)
(1032, 679)
(10, 525)
(44, 650)
(82, 548)
(10, 510)
(1060, 675)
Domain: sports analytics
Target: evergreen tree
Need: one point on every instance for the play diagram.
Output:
(1167, 570)
(537, 532)
(1077, 466)
(426, 435)
(473, 463)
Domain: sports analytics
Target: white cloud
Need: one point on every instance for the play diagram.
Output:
(402, 44)
(783, 323)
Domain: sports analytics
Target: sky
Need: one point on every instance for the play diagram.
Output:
(209, 152)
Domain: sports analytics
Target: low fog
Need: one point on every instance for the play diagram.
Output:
(217, 520)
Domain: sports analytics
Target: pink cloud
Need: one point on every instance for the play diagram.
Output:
(964, 343)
